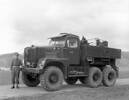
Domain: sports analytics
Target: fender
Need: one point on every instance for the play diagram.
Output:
(60, 62)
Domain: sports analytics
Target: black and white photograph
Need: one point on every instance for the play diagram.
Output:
(64, 49)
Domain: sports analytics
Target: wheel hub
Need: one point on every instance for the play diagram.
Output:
(96, 77)
(110, 76)
(53, 78)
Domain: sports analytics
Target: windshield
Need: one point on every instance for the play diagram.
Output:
(57, 43)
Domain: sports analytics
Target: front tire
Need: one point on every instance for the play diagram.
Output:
(52, 78)
(94, 78)
(30, 79)
(109, 76)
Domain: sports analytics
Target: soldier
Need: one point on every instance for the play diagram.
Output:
(84, 41)
(15, 70)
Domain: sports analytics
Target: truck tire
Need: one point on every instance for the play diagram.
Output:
(29, 80)
(109, 76)
(94, 78)
(71, 80)
(52, 78)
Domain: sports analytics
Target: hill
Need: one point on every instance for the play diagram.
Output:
(5, 59)
(123, 63)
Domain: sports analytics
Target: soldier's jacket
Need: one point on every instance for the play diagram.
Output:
(16, 62)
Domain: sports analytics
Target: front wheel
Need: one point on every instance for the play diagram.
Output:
(30, 79)
(52, 78)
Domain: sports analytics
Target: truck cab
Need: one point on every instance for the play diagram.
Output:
(63, 46)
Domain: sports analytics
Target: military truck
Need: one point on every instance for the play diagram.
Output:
(69, 59)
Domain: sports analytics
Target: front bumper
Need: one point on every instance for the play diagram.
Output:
(32, 70)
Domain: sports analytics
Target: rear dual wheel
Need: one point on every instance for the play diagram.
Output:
(109, 76)
(94, 78)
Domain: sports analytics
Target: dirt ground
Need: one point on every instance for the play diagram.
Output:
(81, 93)
(68, 92)
(76, 92)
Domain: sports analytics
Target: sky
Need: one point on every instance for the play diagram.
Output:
(27, 22)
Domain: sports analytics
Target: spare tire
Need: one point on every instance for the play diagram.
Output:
(52, 78)
(109, 76)
(94, 78)
(29, 79)
(71, 80)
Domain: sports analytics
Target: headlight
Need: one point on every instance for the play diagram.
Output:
(41, 64)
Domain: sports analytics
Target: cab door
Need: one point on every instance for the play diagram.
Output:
(73, 50)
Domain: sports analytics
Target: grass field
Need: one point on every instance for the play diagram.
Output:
(5, 76)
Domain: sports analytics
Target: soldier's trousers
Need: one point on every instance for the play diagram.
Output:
(15, 75)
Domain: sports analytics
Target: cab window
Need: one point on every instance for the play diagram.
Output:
(72, 43)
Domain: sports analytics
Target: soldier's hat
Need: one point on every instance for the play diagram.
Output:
(17, 54)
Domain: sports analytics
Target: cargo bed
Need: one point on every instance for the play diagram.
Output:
(103, 52)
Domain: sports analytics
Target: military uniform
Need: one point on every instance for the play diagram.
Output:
(15, 71)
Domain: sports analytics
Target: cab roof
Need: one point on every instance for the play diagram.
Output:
(63, 35)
